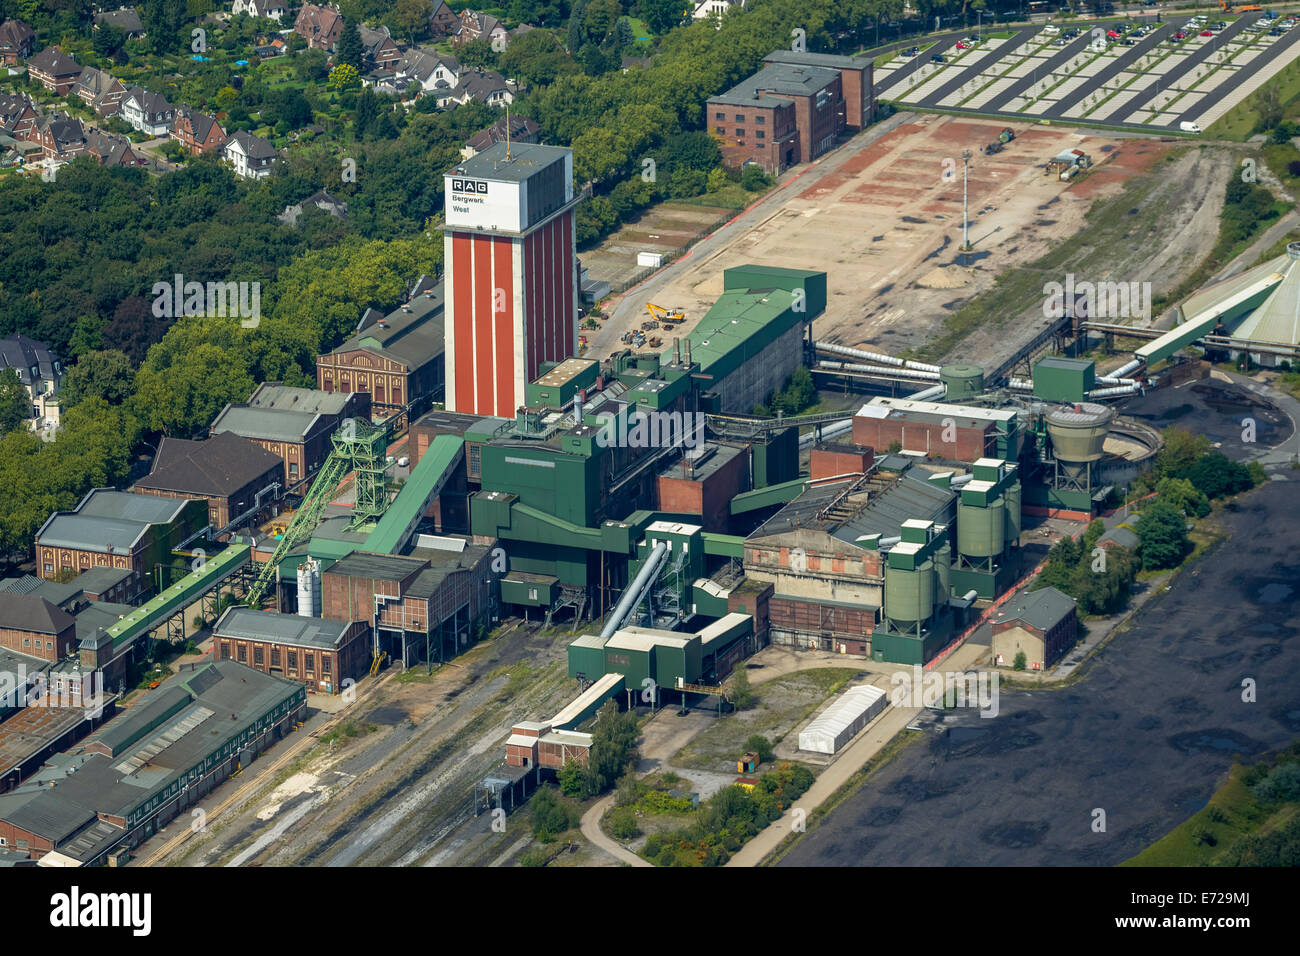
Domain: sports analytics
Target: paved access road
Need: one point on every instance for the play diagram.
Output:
(1147, 736)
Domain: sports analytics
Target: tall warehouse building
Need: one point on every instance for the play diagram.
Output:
(511, 274)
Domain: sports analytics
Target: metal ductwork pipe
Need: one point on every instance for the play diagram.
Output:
(878, 370)
(632, 596)
(834, 428)
(1020, 384)
(1123, 370)
(1108, 380)
(876, 357)
(1113, 392)
(858, 353)
(959, 481)
(934, 391)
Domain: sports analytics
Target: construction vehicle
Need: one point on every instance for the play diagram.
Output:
(668, 317)
(656, 342)
(993, 147)
(1007, 135)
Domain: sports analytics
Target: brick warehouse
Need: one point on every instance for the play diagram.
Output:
(397, 358)
(955, 432)
(149, 764)
(426, 606)
(234, 475)
(293, 423)
(120, 530)
(322, 654)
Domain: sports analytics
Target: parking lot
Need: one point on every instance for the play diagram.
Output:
(1136, 73)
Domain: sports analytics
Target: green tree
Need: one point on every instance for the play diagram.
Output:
(1180, 450)
(107, 41)
(1162, 533)
(1183, 495)
(412, 17)
(740, 694)
(613, 749)
(552, 815)
(106, 374)
(1217, 476)
(15, 401)
(571, 778)
(477, 54)
(1268, 104)
(752, 178)
(349, 46)
(344, 77)
(662, 15)
(311, 66)
(1020, 662)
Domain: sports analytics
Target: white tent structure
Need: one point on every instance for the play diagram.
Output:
(840, 722)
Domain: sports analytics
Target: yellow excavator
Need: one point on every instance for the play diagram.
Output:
(668, 317)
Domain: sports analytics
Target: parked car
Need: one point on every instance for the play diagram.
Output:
(963, 45)
(938, 58)
(1180, 35)
(1207, 33)
(403, 462)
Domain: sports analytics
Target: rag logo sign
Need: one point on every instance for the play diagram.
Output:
(476, 186)
(132, 910)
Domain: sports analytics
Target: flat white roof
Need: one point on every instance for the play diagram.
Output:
(573, 738)
(721, 626)
(672, 527)
(916, 523)
(939, 408)
(580, 703)
(978, 484)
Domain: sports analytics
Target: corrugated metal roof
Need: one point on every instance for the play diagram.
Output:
(244, 623)
(1043, 609)
(850, 706)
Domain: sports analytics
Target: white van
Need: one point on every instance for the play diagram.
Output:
(1187, 127)
(403, 462)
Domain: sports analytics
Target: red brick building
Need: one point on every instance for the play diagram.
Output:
(955, 432)
(704, 488)
(836, 461)
(33, 626)
(234, 475)
(320, 26)
(325, 655)
(293, 423)
(17, 40)
(855, 79)
(54, 70)
(197, 132)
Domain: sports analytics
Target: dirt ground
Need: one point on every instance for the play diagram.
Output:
(664, 228)
(886, 227)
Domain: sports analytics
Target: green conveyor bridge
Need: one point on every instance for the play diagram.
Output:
(172, 601)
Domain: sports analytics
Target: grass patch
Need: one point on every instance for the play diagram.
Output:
(1241, 825)
(1238, 124)
(351, 730)
(780, 704)
(731, 196)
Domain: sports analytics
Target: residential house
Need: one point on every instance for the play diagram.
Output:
(197, 132)
(40, 372)
(320, 26)
(251, 155)
(125, 19)
(378, 51)
(111, 150)
(147, 112)
(486, 86)
(100, 90)
(17, 41)
(442, 22)
(474, 25)
(321, 200)
(54, 70)
(266, 9)
(431, 69)
(18, 116)
(522, 130)
(61, 137)
(704, 9)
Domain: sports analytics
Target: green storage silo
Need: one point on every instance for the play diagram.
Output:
(943, 568)
(962, 381)
(1011, 494)
(909, 594)
(981, 531)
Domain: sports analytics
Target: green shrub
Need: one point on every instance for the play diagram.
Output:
(622, 824)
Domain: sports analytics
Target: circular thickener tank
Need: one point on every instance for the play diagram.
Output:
(909, 595)
(981, 532)
(962, 381)
(1012, 497)
(943, 570)
(1078, 432)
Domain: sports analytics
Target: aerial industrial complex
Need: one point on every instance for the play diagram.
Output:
(465, 468)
